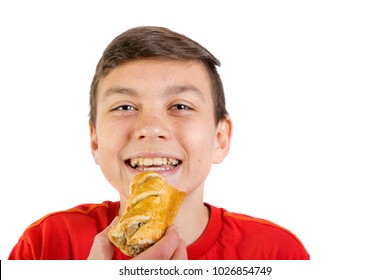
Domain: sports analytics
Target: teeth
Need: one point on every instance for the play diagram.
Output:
(153, 161)
(153, 169)
(147, 162)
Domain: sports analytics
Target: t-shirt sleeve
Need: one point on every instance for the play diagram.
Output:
(21, 251)
(291, 248)
(256, 238)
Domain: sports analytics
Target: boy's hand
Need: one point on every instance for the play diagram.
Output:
(102, 248)
(170, 247)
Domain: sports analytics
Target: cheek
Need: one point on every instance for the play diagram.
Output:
(198, 148)
(112, 137)
(110, 144)
(199, 142)
(108, 147)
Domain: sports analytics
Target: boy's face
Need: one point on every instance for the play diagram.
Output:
(158, 115)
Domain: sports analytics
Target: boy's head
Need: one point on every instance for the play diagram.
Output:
(157, 104)
(157, 43)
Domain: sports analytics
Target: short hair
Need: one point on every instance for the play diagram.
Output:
(157, 42)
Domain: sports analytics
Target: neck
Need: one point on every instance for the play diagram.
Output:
(193, 216)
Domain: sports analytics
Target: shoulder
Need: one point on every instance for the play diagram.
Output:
(75, 215)
(260, 236)
(70, 231)
(245, 222)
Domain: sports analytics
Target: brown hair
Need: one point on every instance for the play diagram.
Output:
(156, 42)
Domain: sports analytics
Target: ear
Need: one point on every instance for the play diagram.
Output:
(222, 139)
(94, 142)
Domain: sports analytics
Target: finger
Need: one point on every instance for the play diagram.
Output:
(102, 248)
(164, 248)
(113, 222)
(180, 252)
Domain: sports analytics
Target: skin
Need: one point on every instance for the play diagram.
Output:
(159, 109)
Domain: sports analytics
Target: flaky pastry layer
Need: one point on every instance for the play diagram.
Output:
(151, 209)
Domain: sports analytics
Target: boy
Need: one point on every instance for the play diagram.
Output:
(157, 103)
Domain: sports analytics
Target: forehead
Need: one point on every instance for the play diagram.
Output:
(142, 76)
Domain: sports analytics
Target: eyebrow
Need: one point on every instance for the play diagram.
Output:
(178, 89)
(170, 91)
(120, 90)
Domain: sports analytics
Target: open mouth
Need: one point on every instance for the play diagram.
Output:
(153, 164)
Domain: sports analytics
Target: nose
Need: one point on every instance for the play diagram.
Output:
(151, 126)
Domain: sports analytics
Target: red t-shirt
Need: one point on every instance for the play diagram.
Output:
(69, 235)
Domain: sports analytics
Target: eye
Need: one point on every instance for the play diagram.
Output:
(180, 107)
(124, 108)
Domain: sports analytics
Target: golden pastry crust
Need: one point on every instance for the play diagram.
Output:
(151, 208)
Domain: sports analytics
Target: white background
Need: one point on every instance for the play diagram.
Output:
(307, 85)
